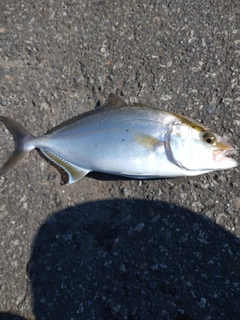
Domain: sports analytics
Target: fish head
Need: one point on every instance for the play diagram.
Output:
(194, 147)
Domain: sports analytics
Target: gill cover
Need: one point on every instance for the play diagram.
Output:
(186, 148)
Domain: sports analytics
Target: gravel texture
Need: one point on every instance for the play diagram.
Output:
(107, 247)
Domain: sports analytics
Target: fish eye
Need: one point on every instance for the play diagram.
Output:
(209, 138)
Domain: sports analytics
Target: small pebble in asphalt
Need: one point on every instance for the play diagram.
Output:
(210, 109)
(181, 105)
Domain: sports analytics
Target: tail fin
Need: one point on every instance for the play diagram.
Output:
(21, 136)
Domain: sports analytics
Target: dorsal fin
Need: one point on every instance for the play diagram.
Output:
(113, 101)
(71, 121)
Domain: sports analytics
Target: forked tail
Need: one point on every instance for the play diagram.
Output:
(21, 136)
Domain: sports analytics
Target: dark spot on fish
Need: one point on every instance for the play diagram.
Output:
(123, 139)
(127, 130)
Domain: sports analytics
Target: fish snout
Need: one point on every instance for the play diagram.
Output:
(223, 156)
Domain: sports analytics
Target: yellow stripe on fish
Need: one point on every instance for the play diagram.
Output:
(136, 141)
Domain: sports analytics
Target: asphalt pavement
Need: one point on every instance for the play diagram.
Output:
(108, 247)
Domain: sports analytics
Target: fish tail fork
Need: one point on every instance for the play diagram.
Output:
(21, 136)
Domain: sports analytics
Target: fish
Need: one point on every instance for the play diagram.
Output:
(136, 141)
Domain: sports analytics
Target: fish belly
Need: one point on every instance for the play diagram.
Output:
(107, 143)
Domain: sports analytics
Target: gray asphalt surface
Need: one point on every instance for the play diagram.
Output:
(107, 247)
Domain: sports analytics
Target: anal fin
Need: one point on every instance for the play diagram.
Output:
(74, 173)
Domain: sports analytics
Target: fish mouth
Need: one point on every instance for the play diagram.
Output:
(223, 155)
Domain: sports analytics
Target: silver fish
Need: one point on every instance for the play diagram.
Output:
(136, 141)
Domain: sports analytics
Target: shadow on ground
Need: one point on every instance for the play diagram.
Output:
(133, 259)
(9, 316)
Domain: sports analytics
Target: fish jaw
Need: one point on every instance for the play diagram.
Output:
(222, 157)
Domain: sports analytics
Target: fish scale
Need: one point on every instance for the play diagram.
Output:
(136, 141)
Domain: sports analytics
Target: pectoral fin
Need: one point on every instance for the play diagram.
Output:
(148, 141)
(74, 173)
